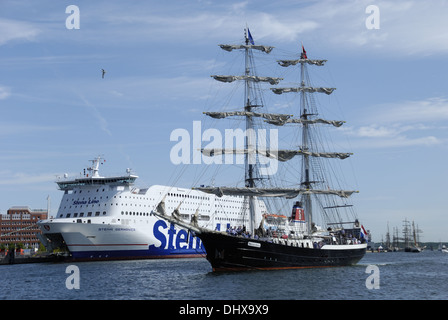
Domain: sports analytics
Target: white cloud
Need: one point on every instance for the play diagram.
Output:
(96, 114)
(374, 131)
(407, 27)
(19, 178)
(17, 30)
(403, 124)
(5, 92)
(428, 110)
(16, 129)
(395, 135)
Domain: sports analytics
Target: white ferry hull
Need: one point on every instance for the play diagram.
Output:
(90, 241)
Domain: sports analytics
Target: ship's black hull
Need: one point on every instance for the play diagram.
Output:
(232, 253)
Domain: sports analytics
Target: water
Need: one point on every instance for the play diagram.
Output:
(401, 276)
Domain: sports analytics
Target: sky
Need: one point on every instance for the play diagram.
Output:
(57, 112)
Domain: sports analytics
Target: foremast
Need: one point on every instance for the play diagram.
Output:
(250, 104)
(249, 144)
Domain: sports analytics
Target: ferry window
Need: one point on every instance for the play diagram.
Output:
(97, 214)
(68, 215)
(122, 212)
(75, 215)
(89, 214)
(81, 214)
(104, 213)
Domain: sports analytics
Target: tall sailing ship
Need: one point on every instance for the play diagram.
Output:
(276, 240)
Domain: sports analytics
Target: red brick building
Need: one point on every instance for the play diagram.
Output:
(19, 226)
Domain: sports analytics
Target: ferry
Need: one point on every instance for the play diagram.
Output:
(110, 218)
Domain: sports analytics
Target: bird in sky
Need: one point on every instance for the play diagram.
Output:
(104, 72)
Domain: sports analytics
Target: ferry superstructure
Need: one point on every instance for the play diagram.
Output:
(109, 218)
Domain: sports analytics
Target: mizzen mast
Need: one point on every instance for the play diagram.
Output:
(308, 118)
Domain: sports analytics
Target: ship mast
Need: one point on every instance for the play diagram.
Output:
(307, 203)
(94, 169)
(249, 121)
(249, 144)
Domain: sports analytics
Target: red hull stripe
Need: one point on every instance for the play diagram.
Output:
(106, 245)
(271, 268)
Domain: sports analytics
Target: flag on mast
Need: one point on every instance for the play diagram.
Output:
(303, 55)
(251, 40)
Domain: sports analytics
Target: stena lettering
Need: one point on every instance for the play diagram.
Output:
(172, 239)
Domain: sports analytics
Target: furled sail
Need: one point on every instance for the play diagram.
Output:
(273, 118)
(287, 63)
(281, 155)
(267, 116)
(271, 80)
(303, 89)
(281, 122)
(340, 155)
(230, 47)
(271, 192)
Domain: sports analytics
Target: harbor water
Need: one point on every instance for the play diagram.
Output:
(378, 276)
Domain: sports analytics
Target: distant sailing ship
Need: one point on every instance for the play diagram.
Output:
(410, 237)
(443, 248)
(276, 240)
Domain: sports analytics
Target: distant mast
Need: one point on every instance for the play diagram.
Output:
(48, 206)
(94, 169)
